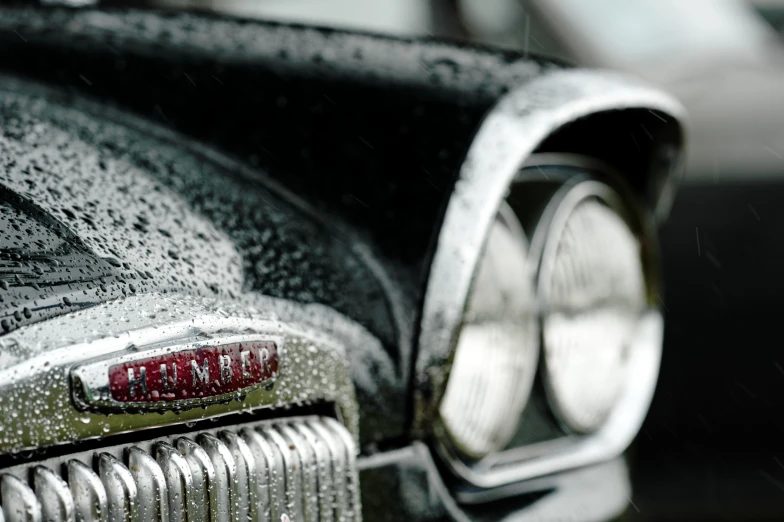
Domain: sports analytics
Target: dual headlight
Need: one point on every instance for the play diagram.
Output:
(592, 285)
(557, 315)
(498, 347)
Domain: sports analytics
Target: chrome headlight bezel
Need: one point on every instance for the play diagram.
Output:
(557, 112)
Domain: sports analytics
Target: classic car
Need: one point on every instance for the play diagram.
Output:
(259, 271)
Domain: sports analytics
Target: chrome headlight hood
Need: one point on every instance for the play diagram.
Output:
(569, 111)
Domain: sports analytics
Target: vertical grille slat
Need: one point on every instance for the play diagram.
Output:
(202, 497)
(307, 475)
(57, 504)
(291, 473)
(151, 486)
(269, 466)
(338, 462)
(225, 482)
(88, 492)
(179, 481)
(246, 476)
(351, 475)
(300, 469)
(19, 502)
(321, 472)
(121, 491)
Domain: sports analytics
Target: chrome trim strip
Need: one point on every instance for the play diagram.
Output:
(37, 364)
(598, 492)
(52, 491)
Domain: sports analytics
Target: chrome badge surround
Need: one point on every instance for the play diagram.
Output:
(92, 382)
(37, 407)
(508, 136)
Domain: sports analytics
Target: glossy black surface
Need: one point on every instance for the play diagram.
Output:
(42, 264)
(371, 128)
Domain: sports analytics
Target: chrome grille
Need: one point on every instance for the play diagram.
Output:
(299, 469)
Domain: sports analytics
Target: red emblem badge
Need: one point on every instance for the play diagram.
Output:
(197, 373)
(174, 378)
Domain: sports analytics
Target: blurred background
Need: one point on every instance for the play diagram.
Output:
(712, 447)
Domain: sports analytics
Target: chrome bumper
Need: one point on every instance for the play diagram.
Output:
(299, 469)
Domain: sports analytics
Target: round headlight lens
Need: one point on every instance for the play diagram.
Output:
(497, 348)
(593, 285)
